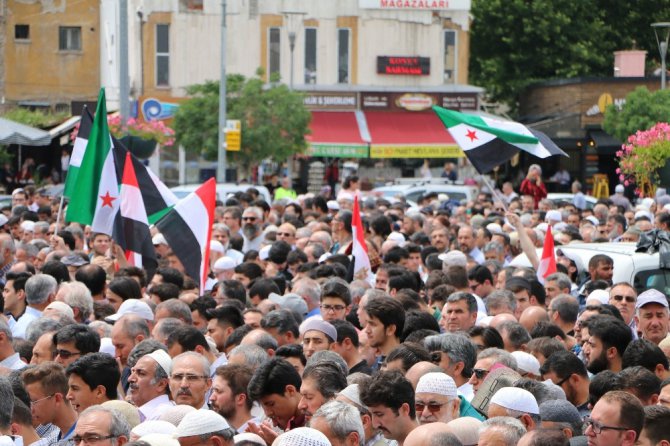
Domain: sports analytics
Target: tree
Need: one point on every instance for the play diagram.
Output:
(641, 111)
(274, 119)
(515, 43)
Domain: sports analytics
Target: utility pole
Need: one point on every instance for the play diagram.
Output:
(221, 165)
(124, 80)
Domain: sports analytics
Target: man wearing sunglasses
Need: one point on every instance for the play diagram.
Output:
(616, 420)
(624, 297)
(252, 228)
(74, 341)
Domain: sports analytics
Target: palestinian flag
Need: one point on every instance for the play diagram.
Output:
(131, 227)
(95, 200)
(187, 228)
(78, 149)
(489, 142)
(157, 198)
(547, 264)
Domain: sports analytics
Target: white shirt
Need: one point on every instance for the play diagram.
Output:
(19, 328)
(152, 410)
(13, 362)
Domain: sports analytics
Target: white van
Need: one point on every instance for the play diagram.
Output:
(222, 190)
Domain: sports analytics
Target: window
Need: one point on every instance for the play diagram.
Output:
(190, 5)
(449, 56)
(21, 32)
(162, 55)
(69, 38)
(310, 56)
(274, 51)
(343, 56)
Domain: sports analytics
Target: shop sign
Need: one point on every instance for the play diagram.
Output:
(605, 100)
(428, 5)
(154, 108)
(233, 135)
(330, 101)
(339, 150)
(460, 101)
(415, 151)
(375, 100)
(399, 65)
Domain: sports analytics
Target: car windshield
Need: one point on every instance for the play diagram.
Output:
(658, 279)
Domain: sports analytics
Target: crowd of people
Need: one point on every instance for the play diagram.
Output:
(441, 342)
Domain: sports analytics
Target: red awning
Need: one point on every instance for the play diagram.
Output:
(336, 134)
(409, 135)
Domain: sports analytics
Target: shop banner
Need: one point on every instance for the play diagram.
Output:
(338, 150)
(415, 151)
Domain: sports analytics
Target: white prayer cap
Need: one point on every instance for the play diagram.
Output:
(264, 253)
(553, 215)
(619, 189)
(644, 213)
(216, 246)
(437, 382)
(453, 257)
(333, 205)
(250, 438)
(352, 393)
(159, 440)
(153, 427)
(163, 360)
(514, 398)
(601, 296)
(201, 422)
(302, 436)
(60, 307)
(593, 219)
(648, 202)
(494, 228)
(527, 363)
(398, 238)
(224, 263)
(28, 225)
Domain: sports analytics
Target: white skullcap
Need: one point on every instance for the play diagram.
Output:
(352, 393)
(216, 246)
(454, 257)
(251, 438)
(224, 263)
(560, 226)
(28, 225)
(163, 360)
(200, 422)
(619, 189)
(527, 363)
(648, 202)
(437, 382)
(553, 215)
(644, 213)
(174, 414)
(333, 205)
(160, 440)
(302, 436)
(514, 398)
(593, 219)
(154, 427)
(270, 228)
(601, 296)
(494, 228)
(398, 238)
(542, 227)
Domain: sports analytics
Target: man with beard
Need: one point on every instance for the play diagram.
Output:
(568, 372)
(607, 341)
(320, 383)
(230, 398)
(252, 228)
(190, 379)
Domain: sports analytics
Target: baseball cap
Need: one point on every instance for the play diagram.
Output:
(514, 398)
(319, 325)
(133, 306)
(163, 360)
(651, 296)
(290, 301)
(201, 422)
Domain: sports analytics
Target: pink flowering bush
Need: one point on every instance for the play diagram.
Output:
(152, 130)
(642, 156)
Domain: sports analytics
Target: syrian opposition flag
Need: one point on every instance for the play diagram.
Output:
(187, 228)
(78, 150)
(131, 227)
(95, 197)
(358, 247)
(489, 142)
(547, 264)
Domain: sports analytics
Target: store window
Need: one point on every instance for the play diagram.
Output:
(162, 55)
(343, 52)
(449, 56)
(310, 55)
(274, 52)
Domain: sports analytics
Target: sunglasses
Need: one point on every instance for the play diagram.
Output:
(480, 373)
(65, 354)
(432, 407)
(249, 218)
(629, 299)
(285, 234)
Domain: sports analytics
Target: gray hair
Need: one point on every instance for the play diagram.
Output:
(77, 295)
(42, 325)
(206, 366)
(561, 279)
(566, 306)
(7, 242)
(168, 325)
(457, 347)
(4, 328)
(516, 333)
(444, 439)
(221, 227)
(343, 419)
(41, 227)
(134, 325)
(328, 356)
(511, 429)
(176, 308)
(30, 249)
(256, 210)
(6, 402)
(39, 287)
(308, 288)
(254, 356)
(283, 320)
(102, 327)
(118, 426)
(75, 230)
(500, 298)
(467, 297)
(144, 348)
(499, 355)
(329, 378)
(494, 246)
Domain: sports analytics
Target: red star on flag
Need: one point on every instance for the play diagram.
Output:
(107, 200)
(471, 134)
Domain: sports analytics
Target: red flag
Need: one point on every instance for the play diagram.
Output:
(547, 264)
(359, 249)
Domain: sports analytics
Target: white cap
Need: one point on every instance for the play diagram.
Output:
(302, 436)
(648, 202)
(216, 246)
(619, 189)
(200, 422)
(163, 360)
(527, 363)
(154, 427)
(249, 437)
(514, 398)
(159, 239)
(601, 296)
(437, 382)
(644, 213)
(60, 307)
(264, 253)
(352, 393)
(224, 263)
(453, 257)
(398, 238)
(651, 296)
(553, 215)
(133, 306)
(159, 440)
(333, 205)
(542, 227)
(325, 257)
(28, 225)
(593, 219)
(494, 228)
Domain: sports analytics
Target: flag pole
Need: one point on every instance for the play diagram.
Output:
(60, 212)
(494, 192)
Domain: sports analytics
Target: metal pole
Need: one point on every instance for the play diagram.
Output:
(291, 41)
(221, 166)
(663, 47)
(124, 81)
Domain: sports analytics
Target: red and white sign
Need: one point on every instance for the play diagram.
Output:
(428, 5)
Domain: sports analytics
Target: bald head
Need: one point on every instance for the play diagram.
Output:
(532, 315)
(419, 369)
(500, 319)
(427, 434)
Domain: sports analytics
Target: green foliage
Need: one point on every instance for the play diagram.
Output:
(35, 118)
(274, 120)
(641, 111)
(515, 43)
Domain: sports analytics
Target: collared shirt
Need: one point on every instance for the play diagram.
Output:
(5, 269)
(152, 410)
(467, 392)
(221, 360)
(477, 255)
(13, 362)
(19, 328)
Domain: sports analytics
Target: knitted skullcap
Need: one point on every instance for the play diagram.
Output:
(437, 382)
(176, 413)
(201, 422)
(302, 436)
(516, 399)
(154, 427)
(127, 411)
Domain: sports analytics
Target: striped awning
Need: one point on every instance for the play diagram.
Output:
(14, 133)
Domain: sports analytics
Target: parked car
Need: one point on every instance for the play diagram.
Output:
(558, 197)
(638, 268)
(222, 190)
(413, 192)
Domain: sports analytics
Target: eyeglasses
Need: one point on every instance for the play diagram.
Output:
(560, 383)
(480, 373)
(333, 308)
(65, 354)
(629, 299)
(32, 403)
(432, 407)
(598, 427)
(285, 234)
(249, 218)
(91, 438)
(179, 377)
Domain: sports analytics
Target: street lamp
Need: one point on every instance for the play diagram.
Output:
(662, 32)
(292, 25)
